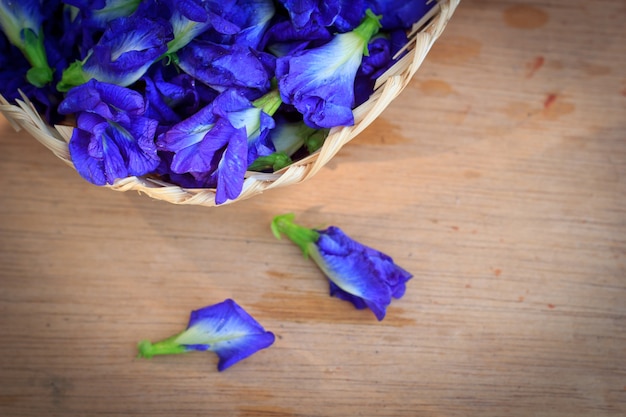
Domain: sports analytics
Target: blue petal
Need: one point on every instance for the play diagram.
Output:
(91, 169)
(232, 168)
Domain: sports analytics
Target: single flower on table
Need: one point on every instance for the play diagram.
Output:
(357, 273)
(224, 328)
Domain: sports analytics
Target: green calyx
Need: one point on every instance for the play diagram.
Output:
(33, 49)
(73, 76)
(269, 103)
(301, 236)
(368, 28)
(164, 347)
(274, 162)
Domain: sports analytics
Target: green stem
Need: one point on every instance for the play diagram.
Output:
(33, 49)
(301, 236)
(164, 347)
(368, 28)
(269, 103)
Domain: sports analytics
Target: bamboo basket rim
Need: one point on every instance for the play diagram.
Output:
(389, 85)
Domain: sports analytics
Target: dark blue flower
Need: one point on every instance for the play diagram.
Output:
(97, 13)
(400, 14)
(127, 48)
(217, 144)
(21, 21)
(303, 12)
(223, 67)
(357, 273)
(224, 328)
(112, 139)
(253, 17)
(191, 18)
(282, 37)
(320, 82)
(170, 96)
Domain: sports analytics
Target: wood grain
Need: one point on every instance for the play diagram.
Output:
(498, 178)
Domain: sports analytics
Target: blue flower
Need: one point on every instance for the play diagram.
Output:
(303, 12)
(112, 139)
(320, 82)
(170, 95)
(191, 18)
(219, 142)
(21, 22)
(223, 67)
(357, 273)
(127, 48)
(253, 17)
(97, 13)
(400, 14)
(224, 328)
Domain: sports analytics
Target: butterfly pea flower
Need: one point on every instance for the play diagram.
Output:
(21, 21)
(191, 18)
(127, 48)
(253, 17)
(400, 14)
(303, 12)
(227, 66)
(113, 139)
(319, 82)
(97, 13)
(217, 144)
(357, 273)
(170, 94)
(224, 328)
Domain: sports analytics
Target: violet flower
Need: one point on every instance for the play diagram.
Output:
(222, 66)
(191, 18)
(400, 14)
(320, 82)
(97, 13)
(21, 22)
(127, 48)
(112, 139)
(357, 273)
(303, 12)
(219, 142)
(224, 328)
(253, 17)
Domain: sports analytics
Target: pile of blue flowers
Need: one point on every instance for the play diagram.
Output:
(197, 92)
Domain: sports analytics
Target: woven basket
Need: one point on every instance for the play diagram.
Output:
(388, 87)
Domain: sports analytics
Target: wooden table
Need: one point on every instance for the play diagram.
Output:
(498, 178)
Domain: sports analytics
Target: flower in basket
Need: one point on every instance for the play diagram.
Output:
(204, 78)
(400, 14)
(227, 66)
(127, 48)
(113, 139)
(356, 273)
(224, 328)
(319, 82)
(217, 144)
(21, 21)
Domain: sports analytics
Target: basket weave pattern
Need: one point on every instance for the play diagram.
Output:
(388, 87)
